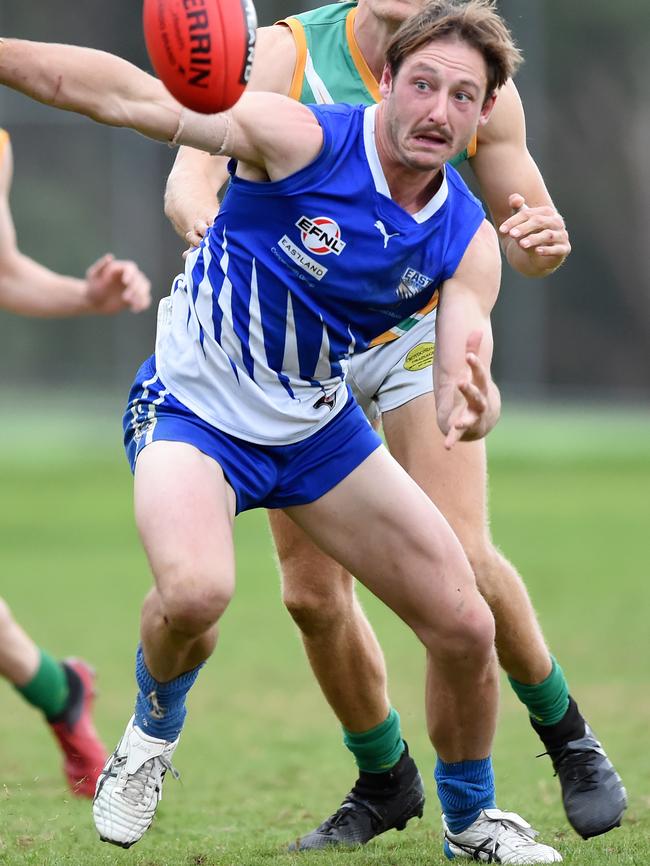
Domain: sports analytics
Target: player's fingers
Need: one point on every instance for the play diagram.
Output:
(516, 201)
(547, 237)
(479, 373)
(557, 249)
(530, 220)
(99, 265)
(476, 402)
(201, 227)
(452, 438)
(138, 293)
(128, 271)
(193, 238)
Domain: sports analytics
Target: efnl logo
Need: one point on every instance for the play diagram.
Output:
(321, 235)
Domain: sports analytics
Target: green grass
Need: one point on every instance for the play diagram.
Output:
(261, 757)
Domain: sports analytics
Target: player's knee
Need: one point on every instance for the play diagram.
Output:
(467, 637)
(317, 608)
(193, 610)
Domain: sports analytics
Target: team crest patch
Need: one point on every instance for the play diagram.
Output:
(419, 357)
(412, 283)
(321, 235)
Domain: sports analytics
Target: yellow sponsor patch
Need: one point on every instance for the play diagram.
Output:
(419, 357)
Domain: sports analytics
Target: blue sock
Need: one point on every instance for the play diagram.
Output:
(464, 789)
(160, 707)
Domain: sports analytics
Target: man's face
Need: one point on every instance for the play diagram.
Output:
(394, 12)
(435, 103)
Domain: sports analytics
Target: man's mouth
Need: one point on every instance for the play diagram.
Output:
(431, 139)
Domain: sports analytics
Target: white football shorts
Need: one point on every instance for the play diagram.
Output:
(388, 376)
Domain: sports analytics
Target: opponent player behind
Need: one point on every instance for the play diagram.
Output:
(336, 54)
(245, 402)
(63, 691)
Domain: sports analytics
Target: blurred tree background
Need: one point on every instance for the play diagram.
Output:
(81, 189)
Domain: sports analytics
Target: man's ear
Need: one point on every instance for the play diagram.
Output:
(386, 83)
(486, 108)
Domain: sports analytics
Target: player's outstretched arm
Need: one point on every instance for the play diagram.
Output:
(110, 286)
(30, 289)
(196, 177)
(267, 131)
(467, 400)
(104, 87)
(532, 232)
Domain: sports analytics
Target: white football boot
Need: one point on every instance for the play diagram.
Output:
(498, 837)
(129, 787)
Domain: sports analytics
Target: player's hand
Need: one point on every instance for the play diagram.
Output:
(113, 285)
(469, 418)
(196, 234)
(536, 230)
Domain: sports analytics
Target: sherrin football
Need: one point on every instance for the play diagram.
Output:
(202, 50)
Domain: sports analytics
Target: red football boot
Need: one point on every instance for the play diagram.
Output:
(84, 753)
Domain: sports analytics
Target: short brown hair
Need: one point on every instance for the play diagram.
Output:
(476, 22)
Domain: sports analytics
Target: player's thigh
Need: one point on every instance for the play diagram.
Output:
(386, 531)
(184, 511)
(310, 578)
(454, 480)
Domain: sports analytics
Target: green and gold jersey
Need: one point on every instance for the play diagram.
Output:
(330, 67)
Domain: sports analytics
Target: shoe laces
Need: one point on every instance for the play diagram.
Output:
(575, 765)
(510, 832)
(137, 787)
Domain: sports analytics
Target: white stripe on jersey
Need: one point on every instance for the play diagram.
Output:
(290, 360)
(211, 377)
(324, 365)
(321, 93)
(229, 340)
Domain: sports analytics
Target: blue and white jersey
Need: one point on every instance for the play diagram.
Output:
(297, 274)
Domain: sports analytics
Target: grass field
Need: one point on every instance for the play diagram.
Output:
(261, 757)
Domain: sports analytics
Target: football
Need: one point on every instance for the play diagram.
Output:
(202, 50)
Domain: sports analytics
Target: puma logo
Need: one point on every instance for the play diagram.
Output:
(382, 230)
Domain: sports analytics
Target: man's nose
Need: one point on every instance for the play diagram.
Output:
(438, 110)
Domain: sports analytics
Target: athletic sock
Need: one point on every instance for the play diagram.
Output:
(464, 789)
(380, 748)
(547, 702)
(160, 707)
(570, 727)
(48, 689)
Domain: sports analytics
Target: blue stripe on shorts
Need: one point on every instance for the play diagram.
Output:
(262, 476)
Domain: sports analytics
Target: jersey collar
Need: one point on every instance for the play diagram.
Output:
(381, 185)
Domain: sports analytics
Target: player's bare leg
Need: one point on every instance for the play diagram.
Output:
(402, 549)
(349, 665)
(456, 481)
(184, 512)
(64, 692)
(341, 647)
(19, 655)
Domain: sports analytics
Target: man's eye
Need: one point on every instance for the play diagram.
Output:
(421, 85)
